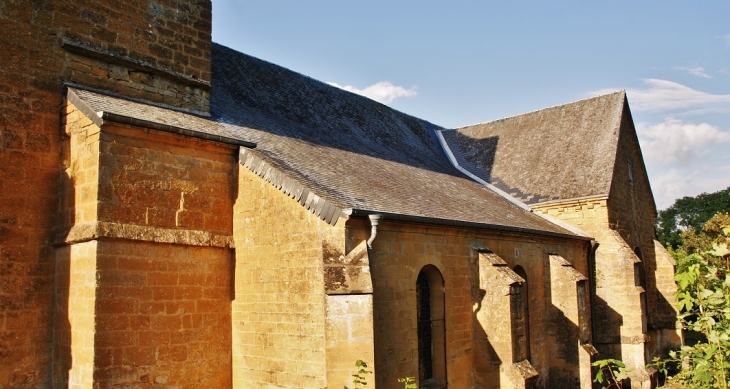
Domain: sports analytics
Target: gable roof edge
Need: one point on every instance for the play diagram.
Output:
(626, 110)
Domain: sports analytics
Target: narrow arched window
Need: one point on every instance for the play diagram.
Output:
(521, 319)
(431, 328)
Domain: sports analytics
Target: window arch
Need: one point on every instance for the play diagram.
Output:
(431, 329)
(521, 320)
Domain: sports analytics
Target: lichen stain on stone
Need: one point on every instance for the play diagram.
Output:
(334, 278)
(354, 272)
(331, 254)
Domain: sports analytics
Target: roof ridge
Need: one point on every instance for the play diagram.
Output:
(622, 91)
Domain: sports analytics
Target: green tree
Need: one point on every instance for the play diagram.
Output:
(703, 299)
(689, 212)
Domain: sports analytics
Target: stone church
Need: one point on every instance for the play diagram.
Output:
(176, 214)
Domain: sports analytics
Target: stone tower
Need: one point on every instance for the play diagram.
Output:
(156, 51)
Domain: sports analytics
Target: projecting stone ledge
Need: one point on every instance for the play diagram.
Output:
(96, 230)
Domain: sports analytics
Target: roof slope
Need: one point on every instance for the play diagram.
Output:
(562, 152)
(352, 151)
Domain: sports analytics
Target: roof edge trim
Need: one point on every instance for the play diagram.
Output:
(459, 224)
(455, 163)
(565, 225)
(571, 200)
(200, 114)
(323, 209)
(81, 105)
(99, 119)
(121, 119)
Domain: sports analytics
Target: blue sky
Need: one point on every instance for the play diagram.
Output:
(463, 62)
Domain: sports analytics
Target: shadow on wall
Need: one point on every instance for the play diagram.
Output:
(62, 359)
(662, 314)
(607, 329)
(486, 361)
(563, 352)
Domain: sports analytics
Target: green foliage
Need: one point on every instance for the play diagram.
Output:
(703, 300)
(611, 373)
(408, 382)
(359, 377)
(689, 213)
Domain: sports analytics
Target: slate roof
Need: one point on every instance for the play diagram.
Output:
(352, 151)
(562, 152)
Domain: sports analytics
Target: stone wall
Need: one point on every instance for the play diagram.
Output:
(631, 322)
(29, 148)
(143, 276)
(153, 50)
(142, 314)
(46, 43)
(141, 184)
(616, 310)
(632, 213)
(75, 316)
(400, 251)
(279, 307)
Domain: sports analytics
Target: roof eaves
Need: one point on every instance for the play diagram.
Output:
(462, 224)
(121, 119)
(324, 209)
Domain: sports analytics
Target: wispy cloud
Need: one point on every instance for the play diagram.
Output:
(727, 39)
(698, 71)
(676, 141)
(383, 91)
(666, 96)
(673, 183)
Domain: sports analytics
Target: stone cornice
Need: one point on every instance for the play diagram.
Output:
(107, 230)
(91, 51)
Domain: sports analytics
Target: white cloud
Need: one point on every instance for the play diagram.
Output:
(727, 39)
(383, 91)
(698, 71)
(664, 96)
(671, 184)
(676, 141)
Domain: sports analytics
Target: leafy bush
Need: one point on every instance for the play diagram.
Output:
(703, 300)
(611, 373)
(690, 213)
(359, 377)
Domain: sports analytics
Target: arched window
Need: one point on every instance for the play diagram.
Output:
(431, 329)
(521, 320)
